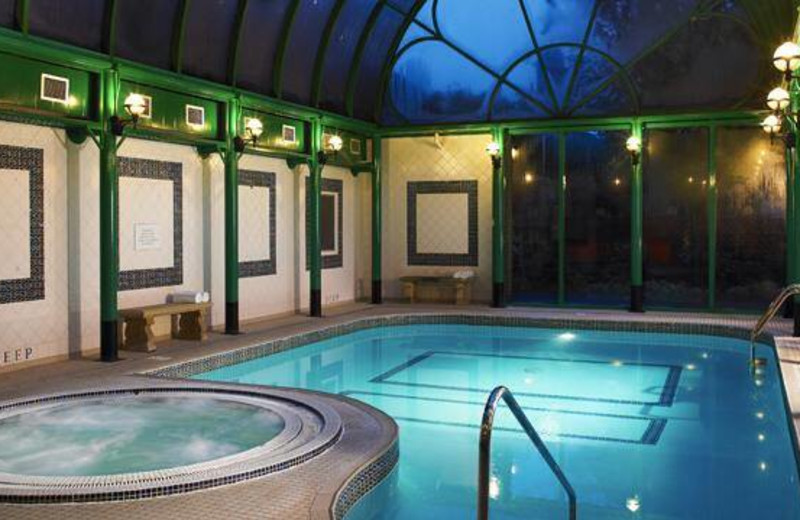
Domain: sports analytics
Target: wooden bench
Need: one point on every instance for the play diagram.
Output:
(187, 322)
(460, 288)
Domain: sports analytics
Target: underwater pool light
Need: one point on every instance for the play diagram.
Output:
(494, 488)
(567, 336)
(633, 504)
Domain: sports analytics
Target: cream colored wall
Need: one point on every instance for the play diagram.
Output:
(41, 326)
(421, 159)
(339, 285)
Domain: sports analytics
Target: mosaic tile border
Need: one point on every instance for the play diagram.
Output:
(470, 188)
(365, 481)
(267, 266)
(158, 483)
(32, 161)
(156, 170)
(196, 366)
(328, 261)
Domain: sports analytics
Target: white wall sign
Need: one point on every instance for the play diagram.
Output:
(146, 237)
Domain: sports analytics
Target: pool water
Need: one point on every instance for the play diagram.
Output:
(645, 426)
(127, 434)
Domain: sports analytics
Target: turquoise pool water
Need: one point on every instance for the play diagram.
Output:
(645, 426)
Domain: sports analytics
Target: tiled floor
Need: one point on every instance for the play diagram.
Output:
(293, 497)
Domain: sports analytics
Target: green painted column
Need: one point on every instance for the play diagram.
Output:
(498, 227)
(231, 158)
(377, 222)
(637, 227)
(796, 221)
(791, 247)
(314, 239)
(109, 243)
(711, 202)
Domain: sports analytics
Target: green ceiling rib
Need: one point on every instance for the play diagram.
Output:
(23, 15)
(236, 41)
(325, 42)
(355, 65)
(178, 34)
(280, 52)
(383, 79)
(579, 62)
(110, 32)
(535, 43)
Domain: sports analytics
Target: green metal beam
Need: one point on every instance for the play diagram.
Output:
(579, 61)
(498, 226)
(319, 62)
(314, 238)
(550, 92)
(280, 52)
(23, 15)
(562, 217)
(377, 222)
(178, 35)
(383, 82)
(711, 202)
(110, 29)
(637, 225)
(236, 41)
(355, 65)
(231, 157)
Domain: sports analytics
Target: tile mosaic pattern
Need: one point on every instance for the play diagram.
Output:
(330, 186)
(416, 257)
(31, 160)
(158, 170)
(365, 481)
(267, 266)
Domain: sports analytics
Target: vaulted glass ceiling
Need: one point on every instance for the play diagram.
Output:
(431, 61)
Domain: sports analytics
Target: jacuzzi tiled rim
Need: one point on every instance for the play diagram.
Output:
(290, 449)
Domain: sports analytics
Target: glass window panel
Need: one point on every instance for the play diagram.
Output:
(431, 83)
(302, 47)
(533, 201)
(560, 63)
(78, 22)
(625, 28)
(153, 46)
(598, 218)
(366, 92)
(425, 15)
(261, 33)
(675, 216)
(615, 99)
(564, 21)
(594, 70)
(413, 33)
(510, 104)
(344, 39)
(208, 36)
(751, 222)
(711, 64)
(7, 13)
(530, 78)
(503, 38)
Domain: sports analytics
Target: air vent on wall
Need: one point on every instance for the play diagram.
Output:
(355, 147)
(148, 108)
(195, 116)
(289, 134)
(55, 89)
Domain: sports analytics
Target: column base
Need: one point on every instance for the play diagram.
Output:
(637, 298)
(499, 295)
(377, 292)
(788, 309)
(109, 341)
(232, 318)
(796, 309)
(315, 303)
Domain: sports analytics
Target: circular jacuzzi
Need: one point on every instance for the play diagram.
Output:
(130, 443)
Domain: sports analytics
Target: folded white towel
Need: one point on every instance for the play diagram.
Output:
(206, 297)
(187, 297)
(464, 275)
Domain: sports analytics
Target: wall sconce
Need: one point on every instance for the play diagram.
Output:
(135, 106)
(787, 59)
(253, 130)
(493, 149)
(335, 145)
(634, 147)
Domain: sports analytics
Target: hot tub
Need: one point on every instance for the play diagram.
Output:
(129, 443)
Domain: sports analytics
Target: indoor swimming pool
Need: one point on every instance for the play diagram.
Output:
(644, 425)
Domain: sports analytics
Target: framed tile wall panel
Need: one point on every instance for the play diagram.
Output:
(334, 187)
(267, 266)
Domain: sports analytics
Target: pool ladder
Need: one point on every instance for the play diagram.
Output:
(485, 457)
(771, 311)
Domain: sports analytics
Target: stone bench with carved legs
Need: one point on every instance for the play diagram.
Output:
(188, 321)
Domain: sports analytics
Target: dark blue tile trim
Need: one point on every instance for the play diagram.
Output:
(267, 266)
(399, 368)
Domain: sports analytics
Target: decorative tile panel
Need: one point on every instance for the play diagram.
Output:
(156, 170)
(266, 266)
(32, 161)
(419, 251)
(336, 187)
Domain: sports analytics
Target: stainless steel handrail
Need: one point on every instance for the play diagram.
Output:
(771, 311)
(485, 457)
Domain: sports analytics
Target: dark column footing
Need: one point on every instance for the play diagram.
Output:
(637, 298)
(315, 303)
(109, 342)
(377, 292)
(232, 318)
(499, 295)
